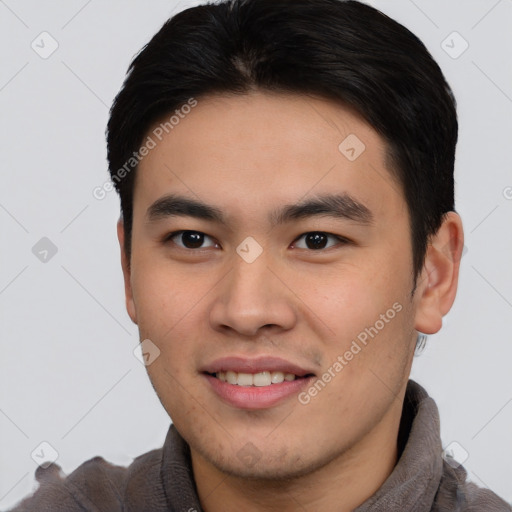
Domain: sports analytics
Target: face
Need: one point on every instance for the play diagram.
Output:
(267, 240)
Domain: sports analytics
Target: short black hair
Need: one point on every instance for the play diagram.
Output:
(344, 51)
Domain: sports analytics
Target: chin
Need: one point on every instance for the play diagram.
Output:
(262, 471)
(284, 463)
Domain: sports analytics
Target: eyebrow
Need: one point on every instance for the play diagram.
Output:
(337, 206)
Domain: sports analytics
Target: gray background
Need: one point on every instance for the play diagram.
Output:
(68, 374)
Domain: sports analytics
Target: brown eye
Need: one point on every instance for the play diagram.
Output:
(317, 240)
(190, 239)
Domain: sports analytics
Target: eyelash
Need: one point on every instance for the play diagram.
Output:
(341, 240)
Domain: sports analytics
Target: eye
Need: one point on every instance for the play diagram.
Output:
(317, 240)
(190, 239)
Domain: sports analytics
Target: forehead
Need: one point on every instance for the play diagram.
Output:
(254, 150)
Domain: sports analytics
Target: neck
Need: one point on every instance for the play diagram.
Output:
(339, 486)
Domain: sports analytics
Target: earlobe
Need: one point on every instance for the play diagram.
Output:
(125, 264)
(437, 284)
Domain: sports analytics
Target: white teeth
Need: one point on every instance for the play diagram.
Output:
(231, 377)
(277, 377)
(264, 378)
(244, 379)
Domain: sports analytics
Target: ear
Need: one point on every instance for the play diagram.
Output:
(125, 264)
(437, 284)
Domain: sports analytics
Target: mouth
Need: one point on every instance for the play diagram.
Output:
(255, 383)
(259, 379)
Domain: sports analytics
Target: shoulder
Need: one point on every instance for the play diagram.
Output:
(457, 494)
(94, 485)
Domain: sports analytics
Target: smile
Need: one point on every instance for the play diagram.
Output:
(252, 391)
(264, 378)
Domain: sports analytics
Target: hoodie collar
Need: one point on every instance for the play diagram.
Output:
(415, 480)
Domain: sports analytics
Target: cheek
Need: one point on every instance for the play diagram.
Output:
(161, 295)
(352, 298)
(169, 311)
(366, 311)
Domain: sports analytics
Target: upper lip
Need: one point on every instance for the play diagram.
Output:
(255, 365)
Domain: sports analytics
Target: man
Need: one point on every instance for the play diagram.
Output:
(288, 234)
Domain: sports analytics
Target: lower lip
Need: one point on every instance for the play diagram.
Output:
(256, 397)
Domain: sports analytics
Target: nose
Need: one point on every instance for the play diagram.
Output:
(253, 298)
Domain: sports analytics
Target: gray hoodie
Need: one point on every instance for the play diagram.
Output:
(162, 480)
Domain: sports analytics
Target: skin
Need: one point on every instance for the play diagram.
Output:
(249, 155)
